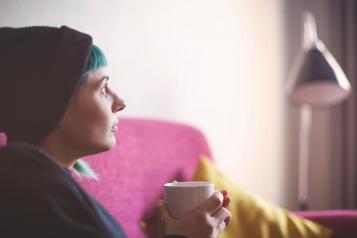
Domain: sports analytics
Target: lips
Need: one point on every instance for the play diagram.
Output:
(115, 128)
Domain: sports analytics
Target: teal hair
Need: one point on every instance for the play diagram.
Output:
(96, 60)
(84, 169)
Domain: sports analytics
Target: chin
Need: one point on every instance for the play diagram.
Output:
(97, 143)
(108, 144)
(102, 146)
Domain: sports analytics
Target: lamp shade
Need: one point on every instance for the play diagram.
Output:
(316, 78)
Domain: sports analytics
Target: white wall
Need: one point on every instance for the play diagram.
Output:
(215, 64)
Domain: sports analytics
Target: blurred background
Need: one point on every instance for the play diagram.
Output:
(221, 66)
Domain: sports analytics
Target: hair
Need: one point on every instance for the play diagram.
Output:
(96, 60)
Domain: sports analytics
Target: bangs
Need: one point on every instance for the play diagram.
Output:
(96, 60)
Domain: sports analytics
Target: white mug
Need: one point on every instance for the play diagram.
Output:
(182, 197)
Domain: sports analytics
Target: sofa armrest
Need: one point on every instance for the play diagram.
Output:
(342, 222)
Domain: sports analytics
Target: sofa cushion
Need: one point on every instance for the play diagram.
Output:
(254, 217)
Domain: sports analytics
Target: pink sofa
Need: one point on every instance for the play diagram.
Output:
(150, 153)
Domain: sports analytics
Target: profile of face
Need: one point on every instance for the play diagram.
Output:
(90, 122)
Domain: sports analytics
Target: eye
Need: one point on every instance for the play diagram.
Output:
(105, 90)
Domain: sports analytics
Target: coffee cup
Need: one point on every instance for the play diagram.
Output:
(182, 197)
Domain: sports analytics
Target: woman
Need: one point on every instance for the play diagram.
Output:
(55, 107)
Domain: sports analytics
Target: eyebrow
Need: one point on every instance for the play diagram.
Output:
(99, 83)
(106, 78)
(102, 80)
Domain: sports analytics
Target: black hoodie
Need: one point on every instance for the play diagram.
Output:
(39, 198)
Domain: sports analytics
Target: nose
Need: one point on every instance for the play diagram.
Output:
(118, 104)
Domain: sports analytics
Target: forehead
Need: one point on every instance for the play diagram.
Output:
(96, 77)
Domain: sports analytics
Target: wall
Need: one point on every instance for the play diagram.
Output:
(215, 64)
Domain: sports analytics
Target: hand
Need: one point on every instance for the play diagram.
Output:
(206, 221)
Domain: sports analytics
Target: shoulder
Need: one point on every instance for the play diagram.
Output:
(24, 169)
(34, 188)
(26, 154)
(20, 160)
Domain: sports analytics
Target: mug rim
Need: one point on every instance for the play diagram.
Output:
(186, 184)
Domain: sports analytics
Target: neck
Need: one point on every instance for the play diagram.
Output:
(64, 157)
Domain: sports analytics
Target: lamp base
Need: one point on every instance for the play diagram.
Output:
(304, 205)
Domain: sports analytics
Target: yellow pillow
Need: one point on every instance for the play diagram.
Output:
(253, 217)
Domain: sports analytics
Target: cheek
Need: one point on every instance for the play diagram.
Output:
(91, 121)
(95, 117)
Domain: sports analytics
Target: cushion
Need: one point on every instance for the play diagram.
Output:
(254, 217)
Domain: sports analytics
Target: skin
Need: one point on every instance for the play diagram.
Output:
(89, 123)
(206, 221)
(88, 127)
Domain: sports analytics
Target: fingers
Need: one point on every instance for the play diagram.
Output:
(227, 198)
(213, 204)
(222, 215)
(164, 212)
(221, 226)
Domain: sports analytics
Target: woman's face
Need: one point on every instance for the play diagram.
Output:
(90, 122)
